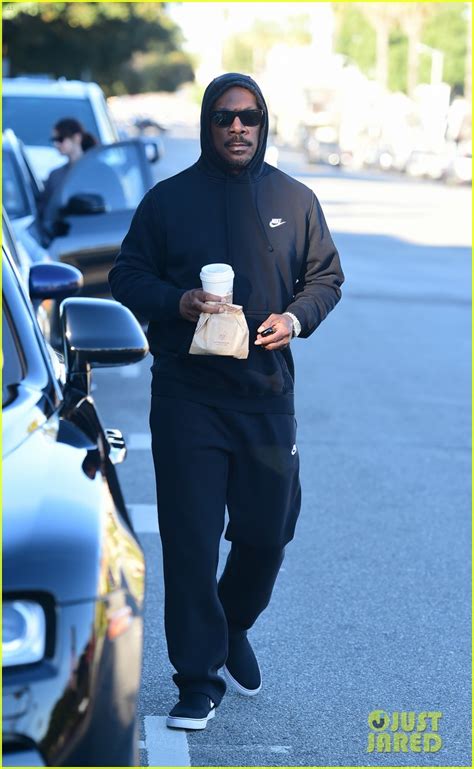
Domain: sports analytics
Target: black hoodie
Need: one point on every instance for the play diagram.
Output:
(207, 214)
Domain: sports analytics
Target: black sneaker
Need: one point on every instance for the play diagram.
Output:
(241, 670)
(193, 711)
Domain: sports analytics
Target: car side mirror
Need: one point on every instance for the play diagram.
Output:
(52, 280)
(57, 229)
(84, 203)
(98, 333)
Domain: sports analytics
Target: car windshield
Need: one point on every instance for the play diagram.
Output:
(15, 198)
(114, 172)
(32, 117)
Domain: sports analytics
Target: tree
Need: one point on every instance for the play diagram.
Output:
(367, 34)
(447, 30)
(413, 23)
(383, 17)
(93, 41)
(468, 64)
(398, 28)
(355, 37)
(247, 53)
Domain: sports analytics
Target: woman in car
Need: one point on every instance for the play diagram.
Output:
(71, 140)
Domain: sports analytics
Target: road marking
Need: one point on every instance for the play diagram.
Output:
(256, 748)
(144, 518)
(165, 747)
(138, 441)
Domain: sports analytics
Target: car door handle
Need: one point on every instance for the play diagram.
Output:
(117, 445)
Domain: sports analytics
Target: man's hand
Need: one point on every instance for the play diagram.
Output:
(192, 304)
(282, 332)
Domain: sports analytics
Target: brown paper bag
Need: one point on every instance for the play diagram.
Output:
(222, 333)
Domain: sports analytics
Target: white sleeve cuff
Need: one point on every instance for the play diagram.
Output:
(296, 323)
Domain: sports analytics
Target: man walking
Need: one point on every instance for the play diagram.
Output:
(223, 429)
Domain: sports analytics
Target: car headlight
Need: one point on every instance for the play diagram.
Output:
(24, 633)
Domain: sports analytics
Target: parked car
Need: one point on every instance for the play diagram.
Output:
(21, 192)
(425, 163)
(31, 107)
(460, 167)
(91, 211)
(328, 153)
(145, 128)
(15, 248)
(46, 310)
(73, 570)
(321, 145)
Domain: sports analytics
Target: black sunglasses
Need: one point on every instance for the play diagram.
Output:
(248, 117)
(57, 139)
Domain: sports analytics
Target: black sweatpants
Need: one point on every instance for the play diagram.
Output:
(206, 458)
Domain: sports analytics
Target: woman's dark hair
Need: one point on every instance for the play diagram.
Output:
(69, 126)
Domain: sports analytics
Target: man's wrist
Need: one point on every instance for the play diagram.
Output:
(296, 323)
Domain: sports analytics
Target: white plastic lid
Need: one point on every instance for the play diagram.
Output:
(217, 269)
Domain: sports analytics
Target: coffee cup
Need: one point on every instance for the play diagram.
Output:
(218, 279)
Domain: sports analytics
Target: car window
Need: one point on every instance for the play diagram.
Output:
(9, 242)
(14, 195)
(13, 370)
(25, 340)
(36, 184)
(115, 172)
(32, 117)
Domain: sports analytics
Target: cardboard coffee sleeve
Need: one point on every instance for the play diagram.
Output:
(223, 333)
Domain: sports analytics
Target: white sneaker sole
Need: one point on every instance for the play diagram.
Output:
(178, 722)
(238, 687)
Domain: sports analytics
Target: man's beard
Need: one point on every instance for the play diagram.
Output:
(239, 163)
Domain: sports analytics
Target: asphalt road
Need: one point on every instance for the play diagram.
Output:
(371, 608)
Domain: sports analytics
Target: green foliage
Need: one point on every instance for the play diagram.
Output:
(296, 31)
(398, 61)
(238, 55)
(355, 38)
(445, 28)
(96, 41)
(156, 71)
(447, 31)
(247, 52)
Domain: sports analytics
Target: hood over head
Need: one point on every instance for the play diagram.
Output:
(209, 156)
